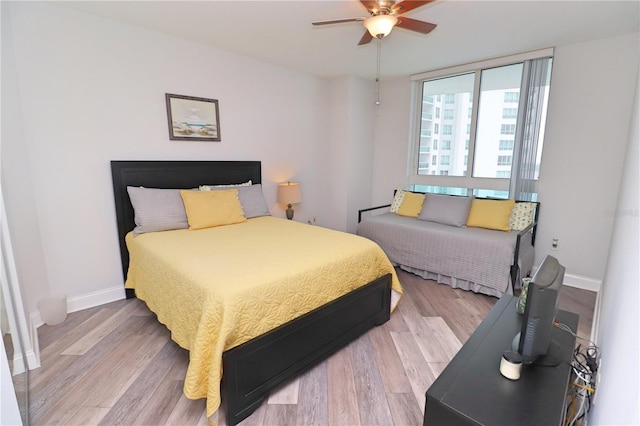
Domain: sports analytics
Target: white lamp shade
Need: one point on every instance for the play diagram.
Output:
(289, 193)
(380, 26)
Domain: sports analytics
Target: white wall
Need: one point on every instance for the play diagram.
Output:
(618, 334)
(89, 90)
(391, 147)
(588, 120)
(352, 120)
(592, 88)
(15, 166)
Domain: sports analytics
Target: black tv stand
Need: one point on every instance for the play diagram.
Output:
(471, 390)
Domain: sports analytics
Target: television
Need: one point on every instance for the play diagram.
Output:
(534, 342)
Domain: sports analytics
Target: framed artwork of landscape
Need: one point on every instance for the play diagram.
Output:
(193, 119)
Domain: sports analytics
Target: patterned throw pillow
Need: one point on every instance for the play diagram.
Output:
(397, 200)
(522, 215)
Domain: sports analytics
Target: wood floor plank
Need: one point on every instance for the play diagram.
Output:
(462, 321)
(56, 347)
(287, 394)
(415, 365)
(372, 404)
(313, 405)
(97, 377)
(161, 404)
(134, 374)
(87, 416)
(437, 368)
(126, 410)
(48, 334)
(186, 411)
(389, 362)
(405, 409)
(280, 414)
(343, 399)
(128, 371)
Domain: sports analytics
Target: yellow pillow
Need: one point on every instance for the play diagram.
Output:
(490, 214)
(212, 208)
(411, 204)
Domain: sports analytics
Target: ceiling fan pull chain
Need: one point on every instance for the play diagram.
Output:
(378, 73)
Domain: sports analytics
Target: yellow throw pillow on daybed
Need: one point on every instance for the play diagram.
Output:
(490, 214)
(206, 209)
(411, 204)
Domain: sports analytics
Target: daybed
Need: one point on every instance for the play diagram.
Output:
(475, 244)
(256, 297)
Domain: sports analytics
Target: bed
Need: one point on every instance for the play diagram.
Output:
(225, 328)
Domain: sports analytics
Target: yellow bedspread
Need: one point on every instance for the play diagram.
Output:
(219, 287)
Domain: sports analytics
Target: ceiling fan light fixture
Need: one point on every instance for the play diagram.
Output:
(380, 26)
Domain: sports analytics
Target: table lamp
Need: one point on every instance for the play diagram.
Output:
(289, 194)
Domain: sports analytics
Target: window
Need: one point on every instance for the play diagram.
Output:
(511, 97)
(509, 113)
(448, 114)
(507, 129)
(504, 160)
(505, 145)
(485, 106)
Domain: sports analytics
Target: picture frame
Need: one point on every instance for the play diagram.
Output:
(192, 119)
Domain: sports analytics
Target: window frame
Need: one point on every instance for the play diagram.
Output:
(467, 181)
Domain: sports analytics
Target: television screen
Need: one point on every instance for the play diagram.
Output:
(534, 341)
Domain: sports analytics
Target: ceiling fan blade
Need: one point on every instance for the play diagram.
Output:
(372, 6)
(407, 5)
(366, 38)
(415, 25)
(337, 21)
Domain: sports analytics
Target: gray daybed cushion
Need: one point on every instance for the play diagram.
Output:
(470, 258)
(446, 209)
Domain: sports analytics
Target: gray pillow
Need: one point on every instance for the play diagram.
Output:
(157, 209)
(250, 196)
(446, 209)
(252, 201)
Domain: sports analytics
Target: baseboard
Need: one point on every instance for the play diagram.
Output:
(584, 283)
(96, 298)
(18, 362)
(86, 301)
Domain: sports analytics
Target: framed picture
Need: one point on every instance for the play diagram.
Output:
(192, 119)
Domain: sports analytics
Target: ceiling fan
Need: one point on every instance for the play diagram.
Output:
(386, 14)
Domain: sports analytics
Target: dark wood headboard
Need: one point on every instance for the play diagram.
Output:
(170, 174)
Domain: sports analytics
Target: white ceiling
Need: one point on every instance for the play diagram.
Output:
(280, 32)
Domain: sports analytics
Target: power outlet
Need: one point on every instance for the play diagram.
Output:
(312, 220)
(555, 243)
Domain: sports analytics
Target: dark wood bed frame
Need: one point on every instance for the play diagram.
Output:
(253, 369)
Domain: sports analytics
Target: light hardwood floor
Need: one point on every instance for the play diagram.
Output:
(115, 364)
